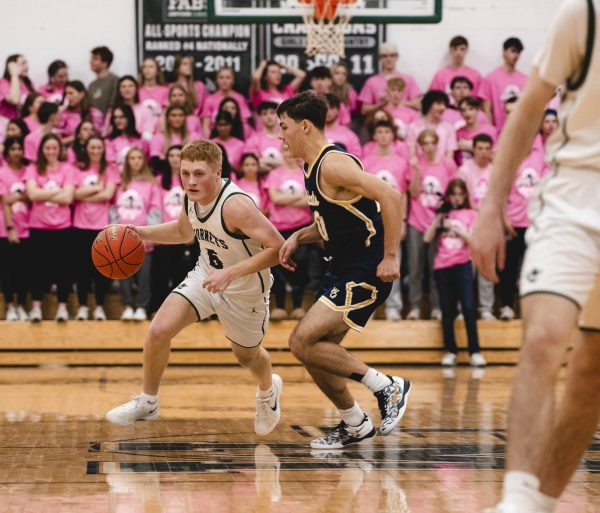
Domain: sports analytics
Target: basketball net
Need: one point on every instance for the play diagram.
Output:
(326, 22)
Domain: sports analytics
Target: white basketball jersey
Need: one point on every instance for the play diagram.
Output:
(220, 248)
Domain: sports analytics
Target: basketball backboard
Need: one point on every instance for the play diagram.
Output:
(287, 11)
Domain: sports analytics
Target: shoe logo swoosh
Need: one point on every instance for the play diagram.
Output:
(152, 411)
(274, 408)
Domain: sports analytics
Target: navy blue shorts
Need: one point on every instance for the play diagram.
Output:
(357, 293)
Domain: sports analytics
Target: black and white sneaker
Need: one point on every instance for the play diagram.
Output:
(343, 434)
(392, 403)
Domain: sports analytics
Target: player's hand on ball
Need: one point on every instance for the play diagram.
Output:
(137, 229)
(389, 269)
(218, 280)
(286, 251)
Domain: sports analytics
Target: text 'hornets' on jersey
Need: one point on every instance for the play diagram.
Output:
(352, 230)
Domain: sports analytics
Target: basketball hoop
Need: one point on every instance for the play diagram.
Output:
(326, 22)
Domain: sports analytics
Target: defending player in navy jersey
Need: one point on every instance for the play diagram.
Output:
(362, 246)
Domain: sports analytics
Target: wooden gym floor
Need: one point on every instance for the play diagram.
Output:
(60, 456)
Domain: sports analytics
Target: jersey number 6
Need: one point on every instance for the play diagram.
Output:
(213, 259)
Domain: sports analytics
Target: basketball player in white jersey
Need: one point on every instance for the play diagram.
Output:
(559, 281)
(231, 279)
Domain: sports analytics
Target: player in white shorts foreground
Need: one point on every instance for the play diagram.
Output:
(559, 280)
(231, 279)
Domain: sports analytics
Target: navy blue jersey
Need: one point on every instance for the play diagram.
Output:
(352, 230)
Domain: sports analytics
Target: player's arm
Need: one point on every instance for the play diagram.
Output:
(173, 232)
(515, 142)
(338, 172)
(241, 216)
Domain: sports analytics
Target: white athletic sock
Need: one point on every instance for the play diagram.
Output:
(265, 394)
(522, 491)
(375, 381)
(353, 416)
(149, 398)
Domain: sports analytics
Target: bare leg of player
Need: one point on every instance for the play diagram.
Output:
(268, 409)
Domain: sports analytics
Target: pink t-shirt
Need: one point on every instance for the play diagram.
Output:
(145, 119)
(31, 123)
(376, 87)
(52, 94)
(445, 131)
(452, 250)
(117, 148)
(264, 145)
(289, 181)
(530, 172)
(443, 78)
(70, 119)
(88, 215)
(32, 144)
(465, 134)
(171, 201)
(392, 169)
(157, 145)
(403, 116)
(46, 215)
(135, 203)
(155, 97)
(477, 180)
(435, 177)
(12, 182)
(400, 149)
(499, 86)
(234, 149)
(272, 96)
(211, 105)
(341, 134)
(8, 110)
(254, 190)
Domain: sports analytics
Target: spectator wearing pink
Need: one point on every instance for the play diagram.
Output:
(49, 184)
(538, 144)
(268, 85)
(288, 211)
(461, 87)
(123, 136)
(175, 132)
(433, 107)
(225, 80)
(77, 110)
(137, 202)
(232, 106)
(16, 128)
(453, 270)
(370, 147)
(470, 109)
(336, 133)
(15, 252)
(393, 170)
(341, 86)
(48, 118)
(223, 134)
(403, 115)
(179, 96)
(145, 117)
(458, 49)
(30, 108)
(429, 177)
(549, 125)
(373, 94)
(265, 143)
(321, 82)
(58, 76)
(476, 174)
(502, 83)
(153, 93)
(15, 85)
(183, 70)
(95, 183)
(76, 152)
(250, 180)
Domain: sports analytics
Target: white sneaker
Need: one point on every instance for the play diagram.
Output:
(393, 315)
(99, 314)
(12, 314)
(266, 479)
(62, 315)
(449, 360)
(140, 314)
(436, 314)
(136, 409)
(22, 314)
(460, 317)
(268, 411)
(35, 314)
(477, 360)
(487, 315)
(414, 314)
(507, 313)
(83, 313)
(127, 314)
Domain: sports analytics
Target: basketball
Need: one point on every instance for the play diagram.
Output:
(118, 252)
